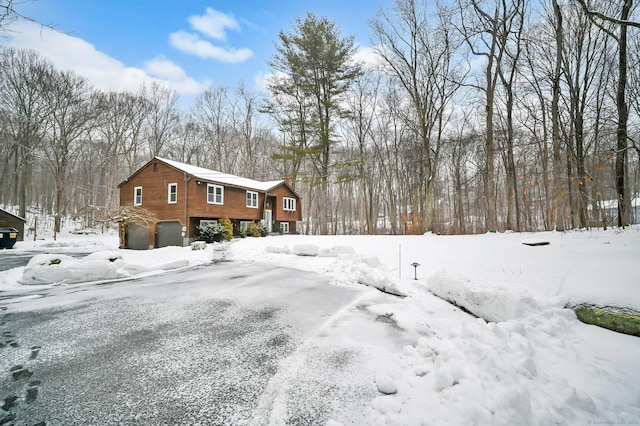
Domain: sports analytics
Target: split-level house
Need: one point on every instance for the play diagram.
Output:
(182, 196)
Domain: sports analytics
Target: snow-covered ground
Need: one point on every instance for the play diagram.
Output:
(526, 360)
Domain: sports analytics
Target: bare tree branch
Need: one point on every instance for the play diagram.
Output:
(604, 17)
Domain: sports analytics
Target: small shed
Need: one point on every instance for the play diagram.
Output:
(10, 220)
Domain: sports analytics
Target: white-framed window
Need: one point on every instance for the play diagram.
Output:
(172, 193)
(289, 204)
(284, 227)
(244, 225)
(215, 194)
(137, 196)
(252, 199)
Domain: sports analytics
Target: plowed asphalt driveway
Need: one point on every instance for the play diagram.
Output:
(189, 347)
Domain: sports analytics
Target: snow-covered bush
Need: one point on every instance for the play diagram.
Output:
(212, 232)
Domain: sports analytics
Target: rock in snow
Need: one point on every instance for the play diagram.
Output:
(385, 384)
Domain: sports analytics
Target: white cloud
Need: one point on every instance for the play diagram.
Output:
(261, 81)
(164, 68)
(213, 24)
(174, 76)
(67, 52)
(194, 45)
(368, 56)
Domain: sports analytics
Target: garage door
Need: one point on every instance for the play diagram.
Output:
(168, 234)
(137, 237)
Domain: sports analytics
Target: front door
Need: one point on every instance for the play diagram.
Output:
(266, 222)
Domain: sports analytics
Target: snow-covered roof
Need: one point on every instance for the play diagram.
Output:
(219, 177)
(14, 215)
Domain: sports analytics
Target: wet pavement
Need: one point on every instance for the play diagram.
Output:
(188, 347)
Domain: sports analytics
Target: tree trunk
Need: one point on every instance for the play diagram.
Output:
(624, 202)
(557, 215)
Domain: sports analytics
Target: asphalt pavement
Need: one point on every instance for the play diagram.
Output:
(188, 347)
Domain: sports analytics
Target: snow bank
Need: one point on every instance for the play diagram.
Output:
(58, 268)
(612, 283)
(346, 265)
(528, 371)
(488, 301)
(51, 268)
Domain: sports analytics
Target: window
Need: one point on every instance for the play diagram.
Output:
(244, 225)
(215, 194)
(173, 193)
(252, 199)
(137, 196)
(284, 227)
(289, 204)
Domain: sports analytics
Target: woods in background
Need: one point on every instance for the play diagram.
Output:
(485, 115)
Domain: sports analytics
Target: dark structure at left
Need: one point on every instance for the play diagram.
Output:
(10, 220)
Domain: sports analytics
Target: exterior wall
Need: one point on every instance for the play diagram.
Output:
(234, 207)
(7, 220)
(279, 213)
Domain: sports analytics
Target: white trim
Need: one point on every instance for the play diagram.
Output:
(268, 219)
(215, 194)
(175, 193)
(289, 204)
(135, 196)
(252, 202)
(284, 227)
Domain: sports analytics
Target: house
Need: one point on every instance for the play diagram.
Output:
(182, 196)
(10, 220)
(608, 211)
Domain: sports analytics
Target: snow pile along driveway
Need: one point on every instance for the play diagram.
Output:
(519, 357)
(47, 269)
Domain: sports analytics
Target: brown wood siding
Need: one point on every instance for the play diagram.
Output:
(279, 213)
(155, 191)
(234, 207)
(9, 221)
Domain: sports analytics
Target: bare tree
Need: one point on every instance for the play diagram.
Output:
(211, 112)
(69, 114)
(163, 118)
(508, 73)
(22, 110)
(622, 191)
(9, 13)
(419, 55)
(586, 64)
(125, 216)
(116, 140)
(557, 217)
(358, 128)
(487, 29)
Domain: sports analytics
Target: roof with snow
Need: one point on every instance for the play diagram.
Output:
(219, 177)
(11, 214)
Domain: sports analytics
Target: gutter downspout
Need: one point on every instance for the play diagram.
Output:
(185, 237)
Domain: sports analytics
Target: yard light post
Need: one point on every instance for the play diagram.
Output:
(415, 270)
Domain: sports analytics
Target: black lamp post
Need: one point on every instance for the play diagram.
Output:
(415, 270)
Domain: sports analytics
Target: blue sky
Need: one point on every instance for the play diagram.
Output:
(188, 44)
